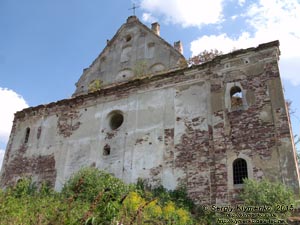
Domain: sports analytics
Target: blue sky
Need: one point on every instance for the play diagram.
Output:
(45, 45)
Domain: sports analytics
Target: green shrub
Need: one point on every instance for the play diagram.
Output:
(88, 183)
(265, 193)
(25, 204)
(137, 210)
(95, 85)
(178, 196)
(24, 187)
(101, 190)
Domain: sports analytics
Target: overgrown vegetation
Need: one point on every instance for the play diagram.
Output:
(95, 85)
(204, 56)
(95, 197)
(276, 196)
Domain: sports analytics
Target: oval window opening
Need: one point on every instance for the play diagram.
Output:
(128, 38)
(116, 120)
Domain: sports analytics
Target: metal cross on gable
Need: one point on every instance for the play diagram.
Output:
(133, 8)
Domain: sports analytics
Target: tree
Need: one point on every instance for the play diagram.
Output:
(297, 143)
(291, 112)
(204, 56)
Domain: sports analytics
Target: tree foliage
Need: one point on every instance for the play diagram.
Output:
(280, 199)
(292, 112)
(204, 56)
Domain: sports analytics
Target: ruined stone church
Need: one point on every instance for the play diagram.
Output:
(139, 112)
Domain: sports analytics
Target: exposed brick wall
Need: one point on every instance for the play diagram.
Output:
(247, 132)
(9, 145)
(193, 156)
(218, 169)
(169, 147)
(68, 122)
(41, 168)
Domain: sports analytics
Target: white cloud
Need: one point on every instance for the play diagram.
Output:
(241, 2)
(147, 17)
(221, 42)
(271, 20)
(10, 102)
(2, 152)
(185, 12)
(234, 17)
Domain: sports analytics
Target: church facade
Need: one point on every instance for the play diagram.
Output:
(139, 112)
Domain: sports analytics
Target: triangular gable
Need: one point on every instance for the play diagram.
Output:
(135, 50)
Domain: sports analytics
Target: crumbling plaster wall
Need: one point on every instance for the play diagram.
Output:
(179, 128)
(135, 50)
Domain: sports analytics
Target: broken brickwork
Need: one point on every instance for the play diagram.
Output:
(68, 122)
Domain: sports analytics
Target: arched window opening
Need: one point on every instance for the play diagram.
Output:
(27, 135)
(236, 96)
(240, 171)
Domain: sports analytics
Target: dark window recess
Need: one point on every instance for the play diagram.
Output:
(106, 150)
(236, 96)
(27, 135)
(128, 38)
(116, 120)
(240, 171)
